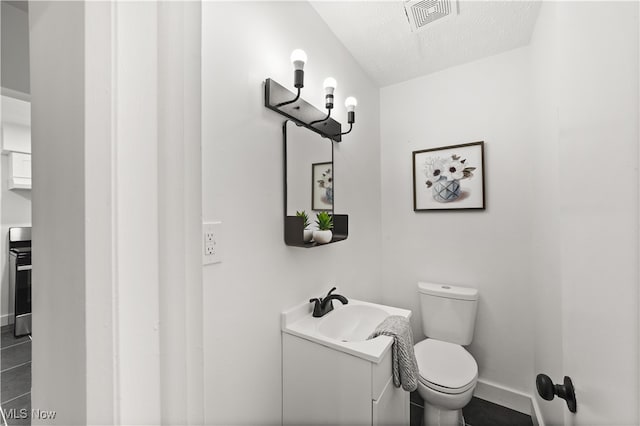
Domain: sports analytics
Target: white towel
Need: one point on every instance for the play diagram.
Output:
(403, 360)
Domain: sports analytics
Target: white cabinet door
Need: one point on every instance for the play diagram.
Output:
(16, 125)
(322, 386)
(19, 171)
(392, 408)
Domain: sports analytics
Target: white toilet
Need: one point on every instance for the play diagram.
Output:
(448, 373)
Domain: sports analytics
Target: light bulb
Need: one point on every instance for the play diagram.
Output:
(351, 103)
(329, 85)
(298, 59)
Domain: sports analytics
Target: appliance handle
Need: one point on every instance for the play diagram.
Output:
(24, 268)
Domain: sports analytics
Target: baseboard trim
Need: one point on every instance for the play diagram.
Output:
(507, 397)
(536, 414)
(4, 320)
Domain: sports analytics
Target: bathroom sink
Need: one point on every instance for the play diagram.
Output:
(346, 328)
(351, 323)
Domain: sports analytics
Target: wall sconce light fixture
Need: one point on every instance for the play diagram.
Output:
(302, 112)
(329, 85)
(298, 59)
(351, 103)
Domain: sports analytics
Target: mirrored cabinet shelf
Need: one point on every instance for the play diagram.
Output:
(294, 231)
(309, 188)
(309, 178)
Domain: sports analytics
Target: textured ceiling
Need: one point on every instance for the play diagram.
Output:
(379, 37)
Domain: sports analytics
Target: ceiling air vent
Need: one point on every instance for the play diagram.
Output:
(421, 13)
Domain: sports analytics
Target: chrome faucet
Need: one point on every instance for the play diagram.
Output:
(324, 305)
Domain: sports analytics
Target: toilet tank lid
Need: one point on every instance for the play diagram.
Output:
(450, 291)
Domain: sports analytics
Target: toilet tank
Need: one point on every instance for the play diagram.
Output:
(448, 312)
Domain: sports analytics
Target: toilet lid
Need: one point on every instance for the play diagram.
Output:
(445, 365)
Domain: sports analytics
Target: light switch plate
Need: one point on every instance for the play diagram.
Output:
(211, 243)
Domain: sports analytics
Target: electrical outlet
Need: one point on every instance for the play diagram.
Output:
(211, 252)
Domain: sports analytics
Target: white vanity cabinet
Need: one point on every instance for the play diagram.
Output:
(322, 385)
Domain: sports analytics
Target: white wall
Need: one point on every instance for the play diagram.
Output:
(59, 344)
(101, 372)
(136, 180)
(555, 255)
(243, 44)
(154, 210)
(487, 100)
(15, 48)
(117, 211)
(143, 213)
(180, 211)
(546, 274)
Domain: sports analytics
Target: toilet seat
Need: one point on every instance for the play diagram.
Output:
(445, 367)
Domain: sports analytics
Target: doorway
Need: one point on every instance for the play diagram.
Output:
(15, 212)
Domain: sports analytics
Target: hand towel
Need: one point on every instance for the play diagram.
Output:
(403, 360)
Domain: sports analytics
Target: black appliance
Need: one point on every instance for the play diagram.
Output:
(20, 279)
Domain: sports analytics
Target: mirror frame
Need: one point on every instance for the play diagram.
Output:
(293, 225)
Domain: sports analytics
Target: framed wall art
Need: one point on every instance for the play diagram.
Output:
(322, 186)
(449, 178)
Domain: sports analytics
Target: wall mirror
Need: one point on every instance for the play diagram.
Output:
(309, 183)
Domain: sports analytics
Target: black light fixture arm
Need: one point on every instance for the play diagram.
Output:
(320, 121)
(351, 118)
(348, 131)
(291, 101)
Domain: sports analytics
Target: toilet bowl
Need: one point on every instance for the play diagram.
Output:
(448, 377)
(447, 372)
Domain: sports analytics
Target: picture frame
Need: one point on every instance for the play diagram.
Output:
(322, 186)
(449, 178)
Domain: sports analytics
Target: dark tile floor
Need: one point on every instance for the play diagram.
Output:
(477, 413)
(15, 377)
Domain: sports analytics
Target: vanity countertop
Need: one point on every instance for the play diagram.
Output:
(357, 319)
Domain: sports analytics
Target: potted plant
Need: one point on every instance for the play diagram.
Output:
(325, 224)
(307, 234)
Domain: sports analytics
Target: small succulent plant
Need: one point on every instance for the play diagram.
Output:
(305, 218)
(324, 221)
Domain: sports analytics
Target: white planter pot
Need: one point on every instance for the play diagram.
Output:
(322, 237)
(307, 235)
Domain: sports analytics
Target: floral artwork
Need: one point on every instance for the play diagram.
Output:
(449, 177)
(444, 175)
(322, 186)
